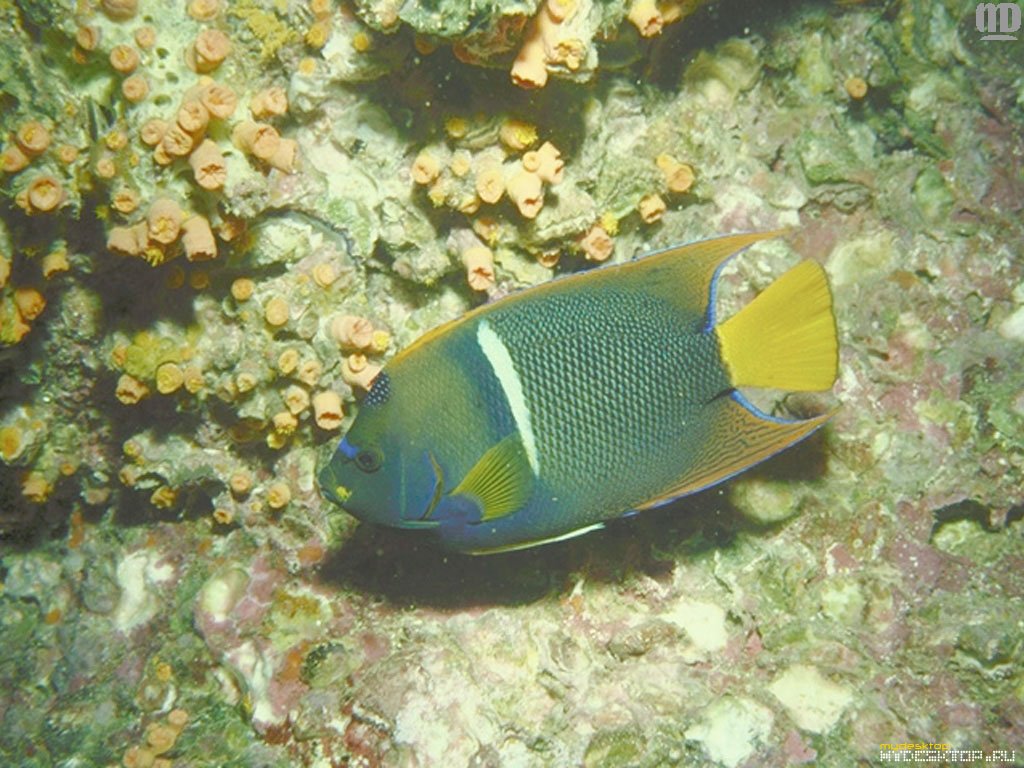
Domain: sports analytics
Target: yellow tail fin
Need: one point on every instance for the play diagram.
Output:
(785, 337)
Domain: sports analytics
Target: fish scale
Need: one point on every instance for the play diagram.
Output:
(609, 390)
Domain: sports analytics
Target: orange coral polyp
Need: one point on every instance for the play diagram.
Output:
(220, 100)
(124, 59)
(44, 194)
(210, 49)
(164, 221)
(208, 165)
(33, 138)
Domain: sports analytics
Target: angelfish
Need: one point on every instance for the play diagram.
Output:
(547, 413)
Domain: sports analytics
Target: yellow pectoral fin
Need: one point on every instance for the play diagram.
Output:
(501, 481)
(737, 438)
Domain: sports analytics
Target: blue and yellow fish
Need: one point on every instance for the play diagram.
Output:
(545, 414)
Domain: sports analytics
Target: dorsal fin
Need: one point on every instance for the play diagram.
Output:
(501, 481)
(736, 436)
(682, 275)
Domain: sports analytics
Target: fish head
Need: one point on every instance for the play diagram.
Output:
(377, 474)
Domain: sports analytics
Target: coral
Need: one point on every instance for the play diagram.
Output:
(327, 410)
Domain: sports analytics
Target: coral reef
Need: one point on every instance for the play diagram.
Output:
(220, 219)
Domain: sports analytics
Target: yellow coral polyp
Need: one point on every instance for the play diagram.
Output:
(278, 495)
(361, 42)
(318, 33)
(36, 488)
(679, 176)
(517, 135)
(164, 497)
(309, 372)
(324, 275)
(456, 127)
(380, 342)
(276, 312)
(296, 399)
(32, 137)
(284, 422)
(646, 17)
(30, 303)
(240, 482)
(124, 59)
(651, 208)
(164, 221)
(425, 168)
(609, 223)
(194, 381)
(169, 378)
(242, 288)
(288, 361)
(11, 442)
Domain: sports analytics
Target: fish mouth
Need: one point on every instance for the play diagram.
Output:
(331, 489)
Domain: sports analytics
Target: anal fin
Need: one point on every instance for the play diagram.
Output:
(737, 436)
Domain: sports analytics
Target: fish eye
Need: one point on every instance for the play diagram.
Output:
(369, 460)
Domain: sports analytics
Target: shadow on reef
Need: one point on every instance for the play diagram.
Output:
(407, 568)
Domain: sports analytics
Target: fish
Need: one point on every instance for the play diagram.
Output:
(547, 413)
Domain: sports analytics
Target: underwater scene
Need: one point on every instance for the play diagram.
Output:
(489, 383)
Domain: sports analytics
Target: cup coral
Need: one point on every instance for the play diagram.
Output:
(33, 138)
(479, 264)
(197, 239)
(208, 165)
(352, 332)
(260, 140)
(270, 102)
(597, 244)
(44, 193)
(358, 371)
(526, 190)
(164, 220)
(119, 10)
(327, 410)
(210, 49)
(124, 59)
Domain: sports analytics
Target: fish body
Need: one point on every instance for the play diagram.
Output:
(549, 412)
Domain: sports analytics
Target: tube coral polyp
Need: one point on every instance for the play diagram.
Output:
(526, 190)
(327, 410)
(544, 43)
(597, 244)
(479, 264)
(270, 102)
(209, 168)
(358, 371)
(33, 138)
(197, 239)
(352, 332)
(210, 49)
(546, 162)
(43, 194)
(164, 220)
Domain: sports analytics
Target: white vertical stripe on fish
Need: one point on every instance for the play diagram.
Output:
(497, 356)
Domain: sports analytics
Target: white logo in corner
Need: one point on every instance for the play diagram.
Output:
(998, 21)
